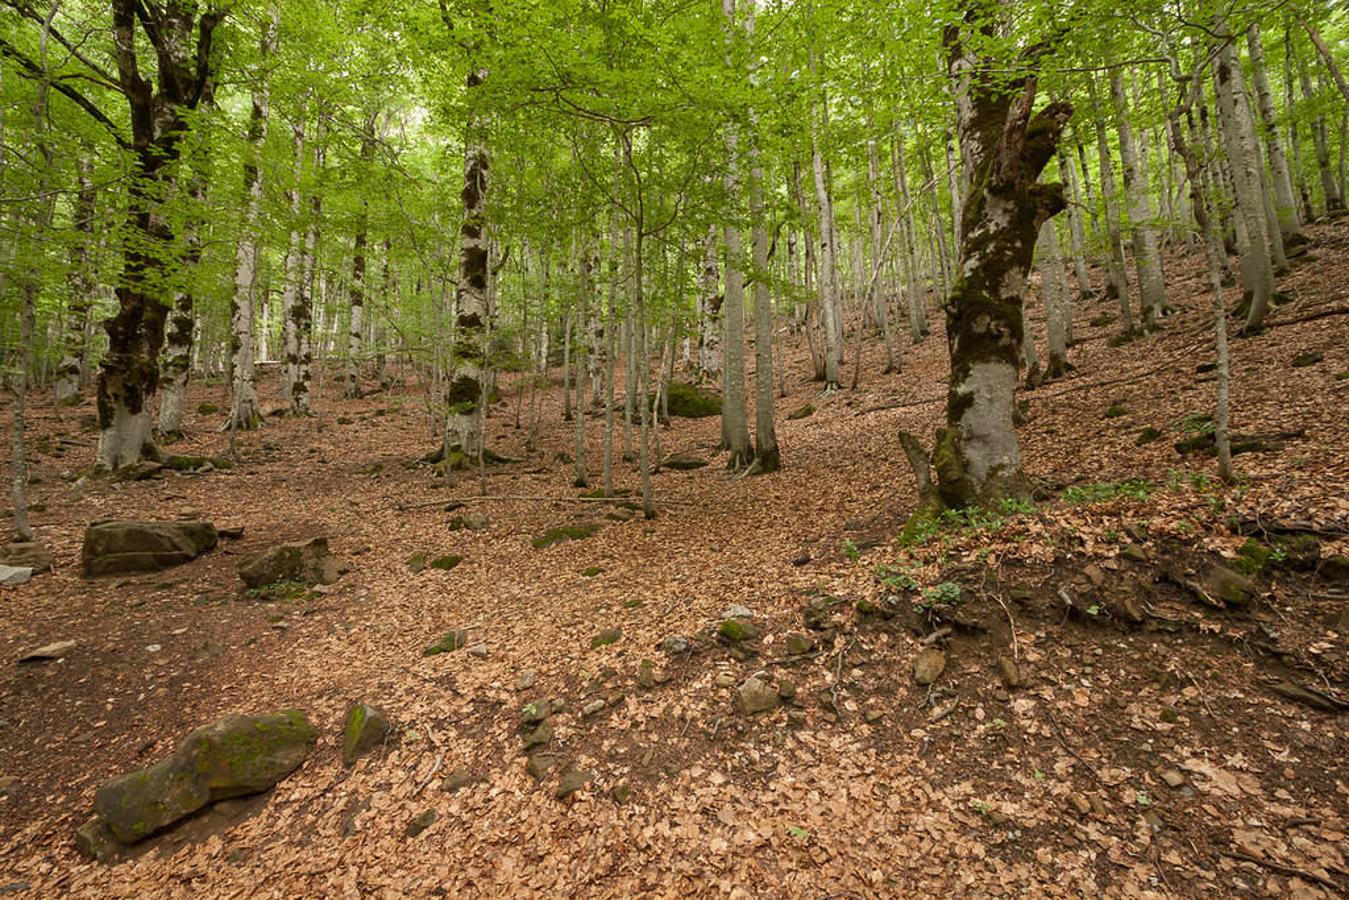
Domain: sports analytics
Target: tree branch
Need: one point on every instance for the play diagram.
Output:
(31, 70)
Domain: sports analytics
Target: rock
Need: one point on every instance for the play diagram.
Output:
(27, 553)
(796, 718)
(448, 643)
(473, 521)
(8, 785)
(801, 559)
(818, 614)
(787, 690)
(50, 651)
(232, 757)
(1133, 553)
(365, 728)
(1307, 358)
(801, 412)
(1079, 804)
(873, 716)
(94, 841)
(724, 679)
(736, 631)
(539, 737)
(420, 824)
(690, 402)
(572, 781)
(478, 651)
(646, 674)
(929, 665)
(605, 638)
(621, 793)
(1154, 819)
(1173, 778)
(13, 576)
(1231, 586)
(799, 644)
(457, 780)
(1335, 568)
(302, 562)
(117, 547)
(673, 646)
(1009, 673)
(535, 712)
(1301, 552)
(527, 680)
(736, 611)
(417, 561)
(540, 764)
(684, 462)
(1094, 574)
(593, 707)
(755, 696)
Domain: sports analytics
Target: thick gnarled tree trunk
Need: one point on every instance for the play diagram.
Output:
(1004, 148)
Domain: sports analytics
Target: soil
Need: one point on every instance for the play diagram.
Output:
(1148, 749)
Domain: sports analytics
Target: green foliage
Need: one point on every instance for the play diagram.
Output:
(850, 550)
(1101, 491)
(1115, 411)
(941, 596)
(895, 580)
(921, 529)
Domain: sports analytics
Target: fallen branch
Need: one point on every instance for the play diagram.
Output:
(1309, 317)
(540, 498)
(1281, 868)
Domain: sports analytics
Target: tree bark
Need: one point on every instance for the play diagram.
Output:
(1285, 203)
(71, 372)
(1147, 255)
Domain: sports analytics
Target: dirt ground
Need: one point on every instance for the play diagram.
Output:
(1143, 747)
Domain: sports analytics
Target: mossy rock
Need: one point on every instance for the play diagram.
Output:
(1115, 411)
(684, 462)
(801, 412)
(1300, 552)
(448, 643)
(1231, 587)
(344, 420)
(417, 561)
(565, 533)
(192, 463)
(446, 562)
(737, 631)
(690, 402)
(1102, 320)
(1252, 557)
(1147, 436)
(1307, 358)
(207, 409)
(232, 757)
(365, 728)
(606, 637)
(634, 603)
(591, 572)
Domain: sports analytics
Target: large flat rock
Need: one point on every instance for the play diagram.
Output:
(121, 546)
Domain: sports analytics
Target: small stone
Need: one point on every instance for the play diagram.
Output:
(1001, 696)
(448, 643)
(646, 674)
(94, 841)
(527, 680)
(539, 737)
(1231, 586)
(539, 765)
(605, 638)
(755, 696)
(27, 553)
(796, 718)
(1009, 673)
(1094, 574)
(801, 559)
(421, 823)
(736, 631)
(1173, 778)
(365, 728)
(478, 650)
(621, 793)
(673, 646)
(1154, 819)
(1133, 553)
(873, 715)
(929, 665)
(593, 707)
(736, 611)
(55, 650)
(725, 679)
(799, 644)
(787, 690)
(572, 781)
(535, 712)
(1079, 804)
(457, 780)
(13, 576)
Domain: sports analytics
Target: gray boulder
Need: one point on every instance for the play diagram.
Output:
(13, 576)
(120, 546)
(233, 757)
(365, 730)
(305, 562)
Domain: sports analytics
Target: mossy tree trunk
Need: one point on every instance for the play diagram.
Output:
(1004, 146)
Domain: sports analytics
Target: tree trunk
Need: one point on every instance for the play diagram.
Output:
(1077, 234)
(709, 311)
(71, 372)
(244, 413)
(351, 386)
(1147, 256)
(766, 454)
(1257, 270)
(1054, 291)
(1285, 203)
(292, 318)
(828, 280)
(734, 426)
(468, 357)
(1004, 148)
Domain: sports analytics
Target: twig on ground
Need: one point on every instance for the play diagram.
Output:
(1281, 867)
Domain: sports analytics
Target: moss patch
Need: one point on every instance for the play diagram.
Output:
(446, 562)
(448, 643)
(690, 402)
(564, 533)
(605, 638)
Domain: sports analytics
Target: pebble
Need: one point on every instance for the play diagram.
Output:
(725, 679)
(593, 707)
(1080, 804)
(1173, 778)
(526, 680)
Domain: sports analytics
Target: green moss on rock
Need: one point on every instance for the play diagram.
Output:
(564, 533)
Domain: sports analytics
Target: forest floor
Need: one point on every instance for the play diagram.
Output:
(1099, 729)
